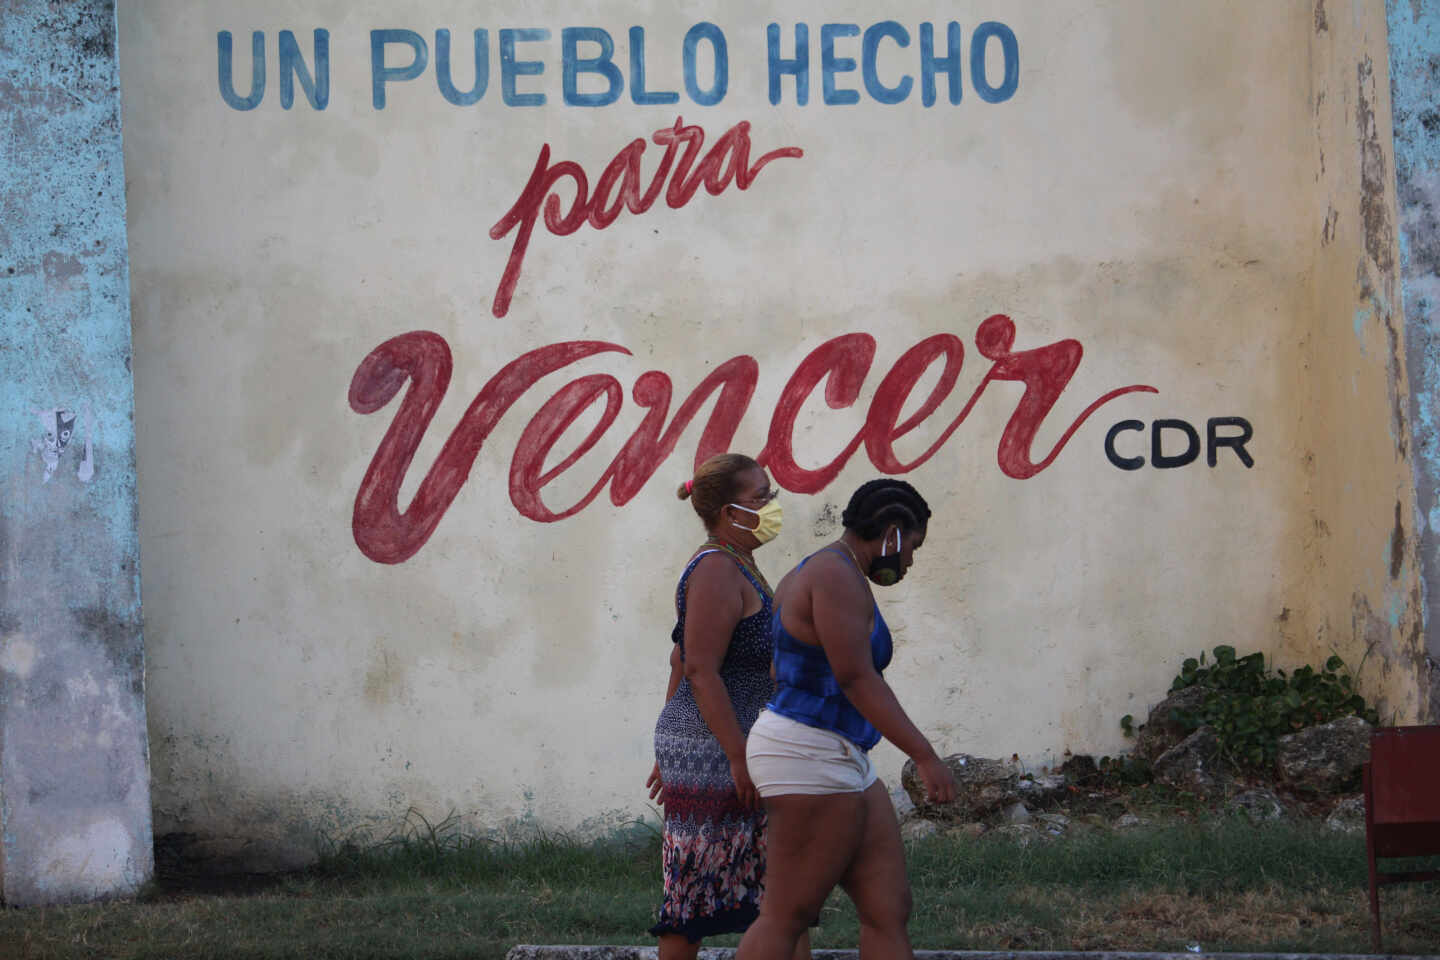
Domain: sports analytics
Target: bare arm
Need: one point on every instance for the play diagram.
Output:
(714, 604)
(842, 618)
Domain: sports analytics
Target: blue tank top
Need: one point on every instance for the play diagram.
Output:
(806, 689)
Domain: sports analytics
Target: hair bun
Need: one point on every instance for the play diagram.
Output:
(684, 492)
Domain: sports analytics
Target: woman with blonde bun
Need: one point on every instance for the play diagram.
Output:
(714, 842)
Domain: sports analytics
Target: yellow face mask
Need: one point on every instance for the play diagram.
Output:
(770, 517)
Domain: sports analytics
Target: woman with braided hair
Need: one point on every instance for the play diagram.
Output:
(830, 819)
(713, 854)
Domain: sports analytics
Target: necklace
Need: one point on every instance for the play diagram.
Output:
(746, 562)
(851, 551)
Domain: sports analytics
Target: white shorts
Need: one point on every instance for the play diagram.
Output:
(785, 756)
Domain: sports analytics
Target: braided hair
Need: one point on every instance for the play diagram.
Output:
(880, 503)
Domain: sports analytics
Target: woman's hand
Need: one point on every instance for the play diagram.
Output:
(656, 785)
(744, 786)
(939, 781)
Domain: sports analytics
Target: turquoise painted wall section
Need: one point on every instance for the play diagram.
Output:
(74, 767)
(1415, 93)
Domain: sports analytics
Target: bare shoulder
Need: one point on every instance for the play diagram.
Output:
(837, 583)
(787, 584)
(826, 574)
(716, 569)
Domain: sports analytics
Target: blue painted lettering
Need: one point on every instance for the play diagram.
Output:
(721, 81)
(930, 63)
(381, 74)
(593, 74)
(257, 71)
(572, 65)
(638, 93)
(444, 77)
(869, 54)
(1010, 50)
(831, 64)
(799, 66)
(510, 68)
(292, 68)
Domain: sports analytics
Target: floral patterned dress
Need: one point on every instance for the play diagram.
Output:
(714, 849)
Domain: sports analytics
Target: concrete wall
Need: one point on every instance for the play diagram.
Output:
(409, 520)
(1415, 89)
(74, 774)
(1356, 543)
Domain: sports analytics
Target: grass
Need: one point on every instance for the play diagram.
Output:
(431, 892)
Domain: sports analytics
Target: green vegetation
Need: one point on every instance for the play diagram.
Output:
(432, 892)
(1252, 707)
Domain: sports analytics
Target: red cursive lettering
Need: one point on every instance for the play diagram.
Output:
(386, 535)
(382, 532)
(1045, 371)
(881, 431)
(646, 449)
(842, 363)
(727, 161)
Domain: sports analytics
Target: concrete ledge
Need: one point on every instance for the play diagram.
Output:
(578, 952)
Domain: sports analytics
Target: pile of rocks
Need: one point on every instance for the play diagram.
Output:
(990, 794)
(1320, 765)
(1321, 760)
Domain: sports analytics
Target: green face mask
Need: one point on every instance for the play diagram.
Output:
(886, 569)
(770, 517)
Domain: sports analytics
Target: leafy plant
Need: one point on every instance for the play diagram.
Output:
(1251, 707)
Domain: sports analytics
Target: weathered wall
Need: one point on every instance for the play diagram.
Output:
(74, 776)
(377, 577)
(1415, 89)
(1355, 546)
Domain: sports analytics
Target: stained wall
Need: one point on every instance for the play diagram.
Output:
(413, 355)
(74, 768)
(1415, 85)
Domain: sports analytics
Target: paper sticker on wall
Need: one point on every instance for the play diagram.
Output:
(59, 426)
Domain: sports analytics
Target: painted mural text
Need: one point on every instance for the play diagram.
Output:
(1215, 441)
(386, 534)
(881, 61)
(619, 187)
